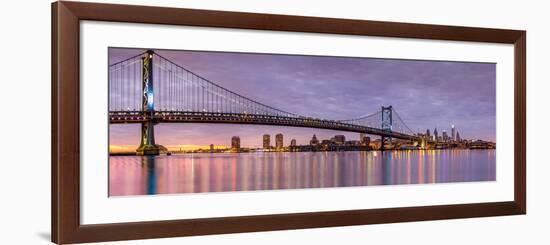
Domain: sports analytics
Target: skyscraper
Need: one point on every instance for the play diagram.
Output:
(267, 142)
(457, 136)
(445, 136)
(427, 133)
(436, 136)
(279, 141)
(453, 133)
(235, 143)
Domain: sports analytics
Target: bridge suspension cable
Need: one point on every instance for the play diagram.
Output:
(181, 89)
(400, 125)
(369, 120)
(125, 84)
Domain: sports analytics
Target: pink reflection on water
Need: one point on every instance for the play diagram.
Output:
(193, 173)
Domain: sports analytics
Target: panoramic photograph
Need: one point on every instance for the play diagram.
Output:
(185, 122)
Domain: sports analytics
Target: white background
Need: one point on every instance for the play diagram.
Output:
(25, 206)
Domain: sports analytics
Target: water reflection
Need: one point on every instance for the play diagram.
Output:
(221, 172)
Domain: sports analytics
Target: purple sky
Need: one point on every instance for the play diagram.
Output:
(426, 94)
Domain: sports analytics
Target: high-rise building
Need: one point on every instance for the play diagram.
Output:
(457, 136)
(267, 142)
(235, 143)
(436, 137)
(428, 133)
(445, 136)
(279, 141)
(314, 140)
(453, 133)
(339, 139)
(211, 147)
(293, 142)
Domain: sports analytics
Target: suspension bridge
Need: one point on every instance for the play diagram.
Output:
(149, 89)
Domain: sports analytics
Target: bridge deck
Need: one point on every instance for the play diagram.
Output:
(119, 117)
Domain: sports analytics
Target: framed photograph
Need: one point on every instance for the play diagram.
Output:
(176, 122)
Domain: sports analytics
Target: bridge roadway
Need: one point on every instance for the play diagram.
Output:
(121, 117)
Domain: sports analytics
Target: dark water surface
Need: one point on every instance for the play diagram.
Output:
(217, 172)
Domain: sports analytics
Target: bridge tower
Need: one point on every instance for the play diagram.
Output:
(147, 145)
(387, 120)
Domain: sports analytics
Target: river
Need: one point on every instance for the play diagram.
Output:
(221, 172)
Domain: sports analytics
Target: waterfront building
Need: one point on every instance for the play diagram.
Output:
(314, 141)
(279, 141)
(211, 147)
(293, 146)
(339, 139)
(235, 143)
(457, 136)
(293, 142)
(428, 133)
(365, 141)
(480, 144)
(436, 137)
(267, 142)
(328, 145)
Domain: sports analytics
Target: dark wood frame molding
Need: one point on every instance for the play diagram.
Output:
(65, 175)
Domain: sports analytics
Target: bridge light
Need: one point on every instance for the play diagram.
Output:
(150, 100)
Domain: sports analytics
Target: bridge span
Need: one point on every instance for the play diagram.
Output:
(234, 118)
(149, 89)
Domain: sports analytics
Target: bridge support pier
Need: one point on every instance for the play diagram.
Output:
(147, 146)
(387, 121)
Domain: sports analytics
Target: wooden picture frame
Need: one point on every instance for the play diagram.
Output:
(65, 175)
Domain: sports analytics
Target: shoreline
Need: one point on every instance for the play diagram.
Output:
(249, 152)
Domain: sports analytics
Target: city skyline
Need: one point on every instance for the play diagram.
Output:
(431, 94)
(259, 140)
(339, 141)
